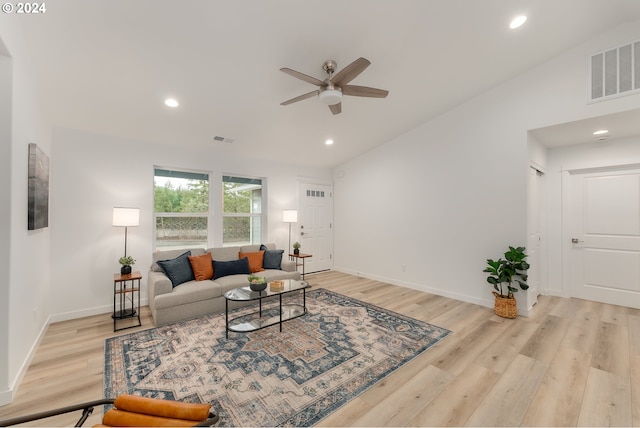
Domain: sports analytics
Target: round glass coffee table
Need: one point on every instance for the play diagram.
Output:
(258, 320)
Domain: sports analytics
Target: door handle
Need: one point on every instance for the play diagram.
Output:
(301, 233)
(576, 241)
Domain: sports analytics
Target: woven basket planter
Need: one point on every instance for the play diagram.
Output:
(505, 307)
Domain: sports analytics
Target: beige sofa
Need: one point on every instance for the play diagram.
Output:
(193, 299)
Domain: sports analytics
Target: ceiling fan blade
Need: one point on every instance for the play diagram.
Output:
(302, 76)
(350, 72)
(300, 98)
(336, 108)
(364, 91)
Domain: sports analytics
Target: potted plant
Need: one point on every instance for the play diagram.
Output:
(503, 273)
(296, 248)
(126, 263)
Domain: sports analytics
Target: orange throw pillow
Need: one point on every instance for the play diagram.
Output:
(255, 260)
(202, 266)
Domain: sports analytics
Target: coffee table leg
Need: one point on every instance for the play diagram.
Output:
(280, 312)
(226, 318)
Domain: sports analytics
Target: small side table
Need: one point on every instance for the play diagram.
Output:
(297, 257)
(123, 293)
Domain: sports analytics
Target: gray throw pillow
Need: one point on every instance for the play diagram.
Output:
(179, 269)
(272, 259)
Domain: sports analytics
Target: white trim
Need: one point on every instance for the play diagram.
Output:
(96, 310)
(486, 302)
(10, 394)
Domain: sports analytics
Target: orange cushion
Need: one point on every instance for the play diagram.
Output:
(163, 408)
(202, 266)
(122, 418)
(255, 260)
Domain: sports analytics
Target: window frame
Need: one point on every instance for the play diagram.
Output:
(208, 215)
(263, 208)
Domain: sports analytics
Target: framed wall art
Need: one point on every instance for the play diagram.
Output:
(38, 210)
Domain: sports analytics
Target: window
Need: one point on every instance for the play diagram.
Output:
(242, 211)
(181, 209)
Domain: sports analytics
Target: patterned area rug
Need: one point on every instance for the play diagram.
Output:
(319, 362)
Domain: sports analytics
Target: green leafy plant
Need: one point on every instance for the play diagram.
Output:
(255, 279)
(126, 261)
(504, 272)
(296, 245)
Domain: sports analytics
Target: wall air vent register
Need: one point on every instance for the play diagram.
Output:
(615, 72)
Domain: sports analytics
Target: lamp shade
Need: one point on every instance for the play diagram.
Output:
(126, 216)
(290, 216)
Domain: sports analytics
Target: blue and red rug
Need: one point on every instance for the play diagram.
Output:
(318, 363)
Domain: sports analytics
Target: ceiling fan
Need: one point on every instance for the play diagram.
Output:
(332, 88)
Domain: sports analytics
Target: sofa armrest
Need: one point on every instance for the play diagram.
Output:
(158, 284)
(288, 265)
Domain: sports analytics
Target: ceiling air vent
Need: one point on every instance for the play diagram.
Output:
(222, 139)
(615, 72)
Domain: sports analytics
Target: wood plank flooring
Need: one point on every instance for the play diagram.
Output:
(572, 363)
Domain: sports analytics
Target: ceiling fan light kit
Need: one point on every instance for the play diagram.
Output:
(330, 96)
(331, 89)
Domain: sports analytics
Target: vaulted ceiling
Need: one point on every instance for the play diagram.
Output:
(106, 66)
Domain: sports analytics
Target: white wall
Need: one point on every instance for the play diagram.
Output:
(26, 254)
(614, 152)
(5, 220)
(426, 209)
(93, 173)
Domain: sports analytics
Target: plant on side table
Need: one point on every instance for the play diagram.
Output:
(126, 262)
(296, 248)
(502, 274)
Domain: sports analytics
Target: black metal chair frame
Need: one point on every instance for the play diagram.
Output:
(87, 410)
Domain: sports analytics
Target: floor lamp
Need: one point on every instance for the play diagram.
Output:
(290, 216)
(126, 217)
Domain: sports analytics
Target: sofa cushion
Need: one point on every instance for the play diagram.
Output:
(189, 292)
(272, 258)
(171, 254)
(224, 254)
(255, 260)
(233, 267)
(250, 248)
(202, 266)
(178, 270)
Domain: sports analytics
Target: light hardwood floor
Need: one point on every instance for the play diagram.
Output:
(573, 363)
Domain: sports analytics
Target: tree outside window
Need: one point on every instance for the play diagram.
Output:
(181, 209)
(242, 210)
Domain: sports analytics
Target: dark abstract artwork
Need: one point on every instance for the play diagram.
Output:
(38, 211)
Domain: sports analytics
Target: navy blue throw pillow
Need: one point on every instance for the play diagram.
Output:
(233, 267)
(179, 269)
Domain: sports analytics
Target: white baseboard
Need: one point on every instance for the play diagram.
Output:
(6, 397)
(486, 302)
(97, 310)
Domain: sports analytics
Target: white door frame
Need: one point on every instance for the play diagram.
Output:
(310, 182)
(540, 227)
(566, 172)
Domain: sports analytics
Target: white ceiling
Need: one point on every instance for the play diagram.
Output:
(106, 66)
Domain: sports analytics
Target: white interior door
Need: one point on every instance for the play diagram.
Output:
(604, 212)
(315, 228)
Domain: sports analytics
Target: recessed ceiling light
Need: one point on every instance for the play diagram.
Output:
(601, 132)
(170, 102)
(329, 142)
(517, 21)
